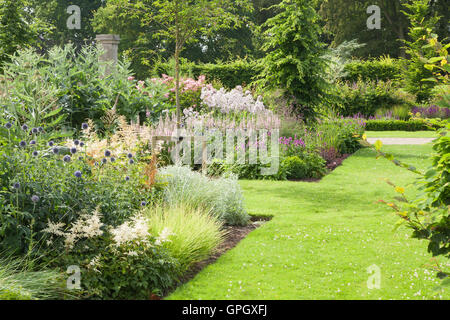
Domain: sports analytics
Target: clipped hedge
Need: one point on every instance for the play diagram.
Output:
(232, 74)
(383, 69)
(399, 125)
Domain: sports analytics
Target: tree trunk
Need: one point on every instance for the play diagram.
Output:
(177, 69)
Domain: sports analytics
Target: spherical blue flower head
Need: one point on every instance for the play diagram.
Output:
(73, 150)
(40, 129)
(67, 158)
(81, 144)
(131, 161)
(8, 125)
(80, 158)
(35, 130)
(96, 163)
(16, 185)
(113, 159)
(76, 142)
(143, 203)
(22, 144)
(104, 160)
(84, 126)
(130, 155)
(35, 198)
(55, 150)
(51, 143)
(35, 153)
(77, 174)
(33, 142)
(127, 178)
(24, 127)
(107, 153)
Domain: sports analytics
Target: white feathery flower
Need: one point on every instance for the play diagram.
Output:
(164, 236)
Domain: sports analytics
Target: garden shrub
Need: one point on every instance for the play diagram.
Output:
(381, 69)
(400, 125)
(221, 197)
(42, 182)
(195, 234)
(428, 214)
(77, 84)
(366, 97)
(230, 75)
(295, 167)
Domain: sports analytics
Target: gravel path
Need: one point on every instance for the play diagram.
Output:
(389, 141)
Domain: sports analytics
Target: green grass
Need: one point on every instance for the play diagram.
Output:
(401, 134)
(322, 239)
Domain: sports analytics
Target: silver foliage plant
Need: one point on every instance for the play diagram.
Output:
(221, 197)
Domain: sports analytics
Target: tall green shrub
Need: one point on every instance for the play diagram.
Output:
(422, 24)
(295, 60)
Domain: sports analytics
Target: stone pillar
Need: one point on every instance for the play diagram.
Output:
(110, 44)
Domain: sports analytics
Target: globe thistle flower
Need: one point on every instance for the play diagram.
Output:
(16, 185)
(76, 142)
(24, 127)
(67, 158)
(130, 155)
(51, 143)
(35, 153)
(104, 160)
(73, 150)
(8, 125)
(80, 158)
(131, 161)
(22, 144)
(107, 153)
(127, 178)
(113, 159)
(81, 144)
(143, 203)
(96, 163)
(55, 150)
(35, 198)
(84, 126)
(35, 130)
(32, 142)
(77, 174)
(40, 129)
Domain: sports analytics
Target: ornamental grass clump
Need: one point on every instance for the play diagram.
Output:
(221, 197)
(192, 234)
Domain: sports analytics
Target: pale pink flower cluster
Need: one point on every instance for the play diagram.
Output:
(186, 84)
(235, 100)
(193, 122)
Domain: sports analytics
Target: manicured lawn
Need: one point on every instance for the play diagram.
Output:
(322, 239)
(401, 134)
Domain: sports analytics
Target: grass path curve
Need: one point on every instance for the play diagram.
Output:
(323, 237)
